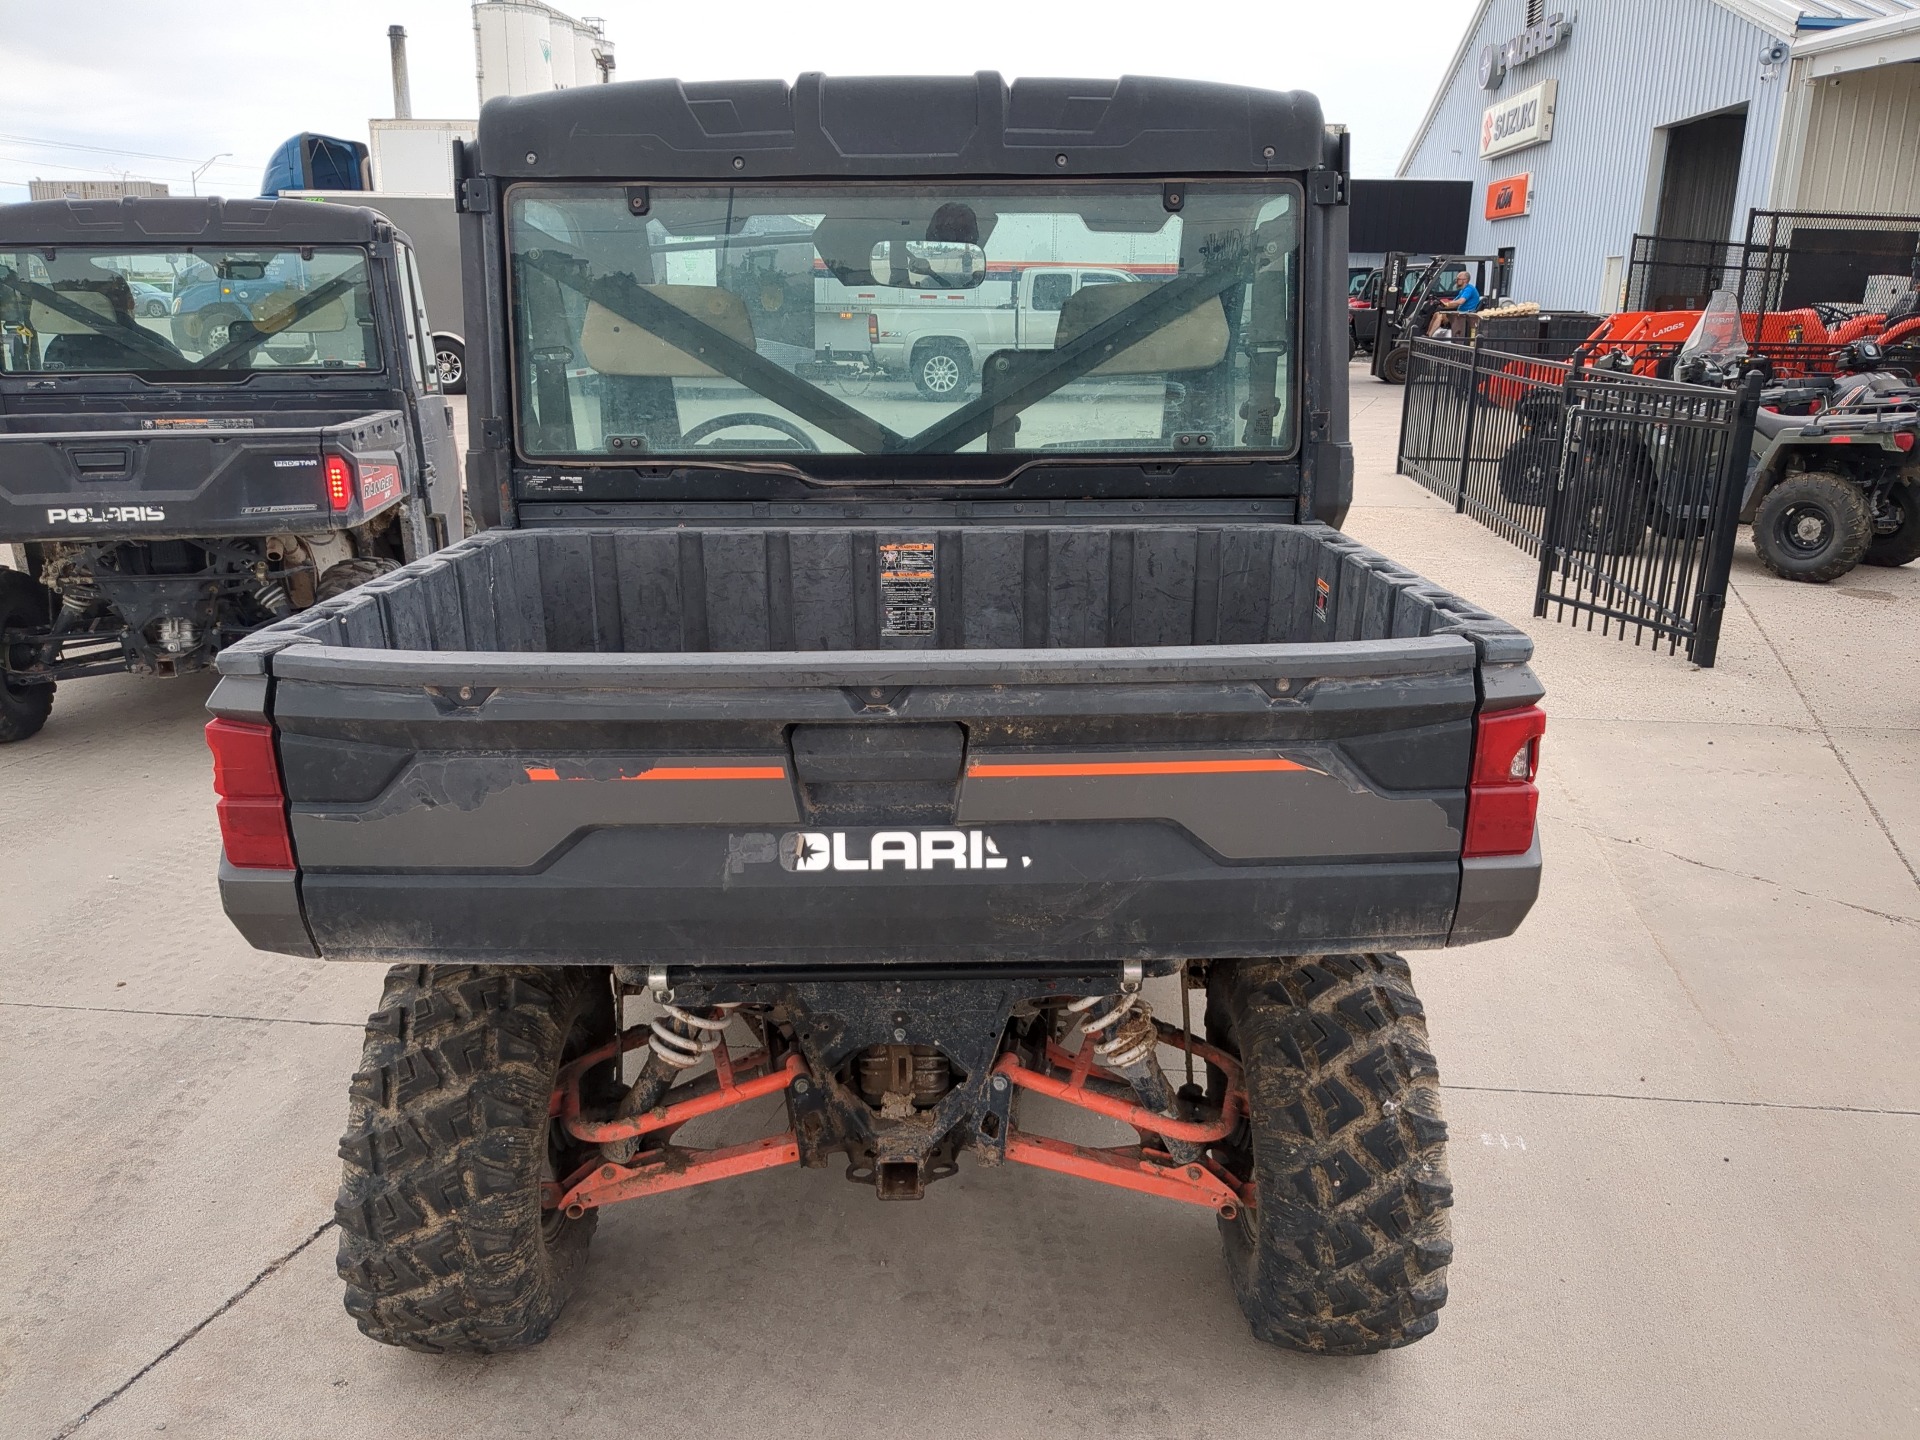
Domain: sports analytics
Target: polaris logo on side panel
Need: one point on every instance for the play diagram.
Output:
(816, 850)
(107, 515)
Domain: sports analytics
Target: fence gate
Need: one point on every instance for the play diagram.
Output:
(1626, 489)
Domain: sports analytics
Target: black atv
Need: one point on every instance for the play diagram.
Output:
(1838, 483)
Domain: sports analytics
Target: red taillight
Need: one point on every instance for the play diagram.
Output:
(1501, 796)
(1904, 440)
(253, 807)
(873, 328)
(339, 482)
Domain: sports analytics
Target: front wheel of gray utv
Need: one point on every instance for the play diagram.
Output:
(1344, 1249)
(444, 1243)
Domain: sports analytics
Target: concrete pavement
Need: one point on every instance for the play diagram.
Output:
(1685, 1110)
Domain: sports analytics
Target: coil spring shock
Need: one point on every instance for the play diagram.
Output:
(1119, 1026)
(1119, 1046)
(272, 597)
(682, 1037)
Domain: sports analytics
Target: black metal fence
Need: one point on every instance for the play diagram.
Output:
(1625, 489)
(1790, 259)
(1668, 273)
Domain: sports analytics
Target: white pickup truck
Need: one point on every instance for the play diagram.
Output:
(939, 338)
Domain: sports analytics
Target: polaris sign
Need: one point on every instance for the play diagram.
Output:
(1497, 60)
(1519, 121)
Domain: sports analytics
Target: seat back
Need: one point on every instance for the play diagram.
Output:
(274, 312)
(615, 345)
(88, 295)
(1195, 341)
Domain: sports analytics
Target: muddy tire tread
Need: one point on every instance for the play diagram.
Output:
(1347, 1249)
(441, 1245)
(23, 708)
(344, 576)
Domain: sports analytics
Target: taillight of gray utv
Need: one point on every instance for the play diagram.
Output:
(1501, 798)
(253, 807)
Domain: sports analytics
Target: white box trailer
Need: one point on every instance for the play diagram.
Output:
(415, 157)
(432, 224)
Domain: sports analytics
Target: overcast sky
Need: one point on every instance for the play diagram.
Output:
(101, 88)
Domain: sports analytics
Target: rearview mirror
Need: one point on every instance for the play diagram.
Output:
(928, 264)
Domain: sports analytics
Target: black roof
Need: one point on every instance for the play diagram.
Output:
(204, 220)
(826, 127)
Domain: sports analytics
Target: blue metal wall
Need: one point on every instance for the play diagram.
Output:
(1628, 68)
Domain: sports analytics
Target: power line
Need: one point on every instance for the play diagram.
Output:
(114, 171)
(109, 150)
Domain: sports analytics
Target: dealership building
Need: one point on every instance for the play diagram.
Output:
(1581, 129)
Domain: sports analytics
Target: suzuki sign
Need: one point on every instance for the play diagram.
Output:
(1519, 121)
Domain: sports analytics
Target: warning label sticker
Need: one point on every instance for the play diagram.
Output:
(906, 587)
(199, 422)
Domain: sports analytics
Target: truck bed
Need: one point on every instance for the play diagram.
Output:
(825, 746)
(185, 473)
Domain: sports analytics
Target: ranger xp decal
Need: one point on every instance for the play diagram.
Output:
(107, 515)
(908, 849)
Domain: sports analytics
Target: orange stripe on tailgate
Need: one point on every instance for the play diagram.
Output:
(678, 772)
(1130, 767)
(711, 772)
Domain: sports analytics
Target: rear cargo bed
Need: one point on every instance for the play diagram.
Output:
(1092, 742)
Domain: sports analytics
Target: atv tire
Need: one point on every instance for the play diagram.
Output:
(343, 577)
(444, 1245)
(24, 604)
(1344, 1250)
(1528, 471)
(1608, 497)
(1813, 526)
(1896, 530)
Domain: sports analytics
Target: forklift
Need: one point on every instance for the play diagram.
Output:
(1411, 290)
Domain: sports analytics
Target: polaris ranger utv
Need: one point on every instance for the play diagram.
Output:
(171, 482)
(880, 751)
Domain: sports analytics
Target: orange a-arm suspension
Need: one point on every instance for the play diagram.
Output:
(1145, 1167)
(1064, 1076)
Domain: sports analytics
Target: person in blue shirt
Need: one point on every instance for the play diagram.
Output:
(1465, 299)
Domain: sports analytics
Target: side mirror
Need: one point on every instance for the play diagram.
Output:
(928, 264)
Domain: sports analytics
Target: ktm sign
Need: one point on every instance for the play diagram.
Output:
(1510, 197)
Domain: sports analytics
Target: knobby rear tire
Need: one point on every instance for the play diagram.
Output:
(344, 576)
(1345, 1249)
(1899, 544)
(24, 604)
(443, 1242)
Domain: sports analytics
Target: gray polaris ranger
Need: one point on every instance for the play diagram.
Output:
(782, 740)
(212, 414)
